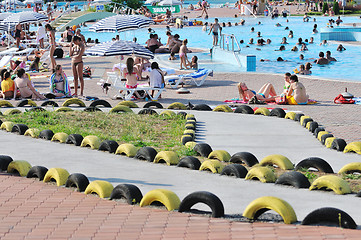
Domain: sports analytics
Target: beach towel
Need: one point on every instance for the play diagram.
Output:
(357, 100)
(66, 86)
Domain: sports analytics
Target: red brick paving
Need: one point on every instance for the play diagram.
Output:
(30, 209)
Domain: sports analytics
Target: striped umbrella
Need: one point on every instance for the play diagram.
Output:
(13, 2)
(120, 23)
(4, 15)
(25, 17)
(5, 27)
(120, 47)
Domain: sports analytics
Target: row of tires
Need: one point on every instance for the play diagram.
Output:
(132, 195)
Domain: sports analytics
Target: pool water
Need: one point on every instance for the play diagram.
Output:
(345, 68)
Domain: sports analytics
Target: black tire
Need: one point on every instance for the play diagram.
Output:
(190, 127)
(183, 114)
(23, 103)
(19, 129)
(37, 172)
(203, 149)
(202, 107)
(46, 134)
(317, 130)
(36, 109)
(146, 154)
(147, 111)
(330, 215)
(187, 138)
(100, 102)
(235, 170)
(313, 126)
(92, 109)
(338, 144)
(153, 104)
(4, 162)
(304, 123)
(191, 122)
(358, 194)
(278, 112)
(109, 146)
(245, 109)
(50, 95)
(244, 157)
(315, 162)
(129, 192)
(189, 118)
(298, 116)
(207, 198)
(75, 139)
(49, 102)
(324, 137)
(77, 180)
(294, 179)
(190, 162)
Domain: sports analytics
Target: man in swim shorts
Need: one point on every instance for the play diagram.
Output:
(214, 29)
(321, 60)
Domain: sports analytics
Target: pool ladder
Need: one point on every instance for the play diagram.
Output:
(228, 42)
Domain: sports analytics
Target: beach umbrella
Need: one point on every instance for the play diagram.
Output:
(6, 27)
(4, 15)
(13, 2)
(33, 1)
(170, 2)
(121, 47)
(25, 17)
(120, 23)
(103, 1)
(151, 1)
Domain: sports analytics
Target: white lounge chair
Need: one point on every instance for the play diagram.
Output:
(9, 51)
(5, 60)
(198, 78)
(44, 59)
(26, 51)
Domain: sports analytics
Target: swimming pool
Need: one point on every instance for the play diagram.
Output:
(345, 68)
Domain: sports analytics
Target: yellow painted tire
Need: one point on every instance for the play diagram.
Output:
(128, 104)
(320, 133)
(186, 138)
(329, 141)
(167, 113)
(290, 115)
(72, 101)
(102, 188)
(12, 111)
(8, 126)
(214, 166)
(121, 108)
(64, 109)
(336, 184)
(177, 105)
(221, 155)
(19, 166)
(281, 161)
(92, 141)
(308, 125)
(59, 175)
(4, 103)
(351, 168)
(126, 149)
(32, 132)
(190, 145)
(303, 118)
(353, 147)
(263, 174)
(189, 132)
(169, 157)
(168, 198)
(222, 108)
(190, 117)
(262, 111)
(263, 204)
(59, 137)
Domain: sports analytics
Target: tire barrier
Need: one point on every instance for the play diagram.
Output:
(189, 132)
(222, 108)
(262, 111)
(148, 111)
(336, 184)
(146, 154)
(75, 139)
(73, 101)
(168, 198)
(182, 114)
(19, 129)
(120, 109)
(129, 192)
(190, 162)
(328, 141)
(153, 104)
(351, 168)
(214, 166)
(4, 162)
(20, 167)
(64, 109)
(91, 141)
(8, 126)
(60, 137)
(298, 116)
(263, 174)
(37, 172)
(102, 188)
(278, 112)
(109, 146)
(177, 105)
(78, 181)
(129, 104)
(36, 109)
(11, 111)
(244, 109)
(314, 162)
(100, 102)
(46, 134)
(190, 145)
(4, 103)
(334, 216)
(312, 126)
(320, 134)
(303, 118)
(186, 138)
(261, 205)
(294, 179)
(190, 126)
(59, 175)
(49, 103)
(338, 144)
(353, 147)
(306, 121)
(26, 102)
(92, 109)
(202, 107)
(126, 149)
(235, 170)
(211, 200)
(324, 137)
(279, 160)
(168, 157)
(317, 130)
(167, 113)
(290, 115)
(190, 117)
(244, 157)
(221, 155)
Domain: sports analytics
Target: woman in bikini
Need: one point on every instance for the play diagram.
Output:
(27, 90)
(267, 93)
(51, 31)
(59, 83)
(76, 52)
(131, 76)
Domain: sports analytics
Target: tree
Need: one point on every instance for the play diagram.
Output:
(336, 8)
(325, 8)
(135, 4)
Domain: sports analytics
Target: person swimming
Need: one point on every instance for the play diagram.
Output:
(284, 40)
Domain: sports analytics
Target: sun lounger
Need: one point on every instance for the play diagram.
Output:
(9, 51)
(5, 60)
(198, 78)
(44, 59)
(26, 51)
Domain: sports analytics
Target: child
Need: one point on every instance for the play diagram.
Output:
(194, 63)
(183, 55)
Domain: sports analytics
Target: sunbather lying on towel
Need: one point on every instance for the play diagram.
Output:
(267, 93)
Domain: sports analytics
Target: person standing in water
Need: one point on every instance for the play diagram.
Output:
(214, 29)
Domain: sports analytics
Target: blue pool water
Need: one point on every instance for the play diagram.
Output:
(345, 68)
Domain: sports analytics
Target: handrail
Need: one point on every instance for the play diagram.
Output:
(233, 38)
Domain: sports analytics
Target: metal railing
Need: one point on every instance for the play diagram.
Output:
(228, 42)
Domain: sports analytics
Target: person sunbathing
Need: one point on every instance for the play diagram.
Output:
(59, 85)
(267, 93)
(7, 85)
(298, 90)
(25, 87)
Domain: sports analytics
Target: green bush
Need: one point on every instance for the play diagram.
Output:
(336, 8)
(325, 8)
(315, 13)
